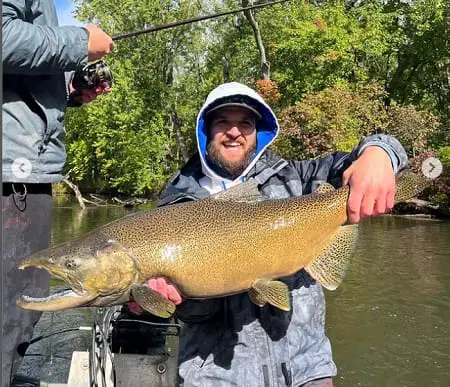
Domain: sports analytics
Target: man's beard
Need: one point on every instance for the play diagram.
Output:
(225, 168)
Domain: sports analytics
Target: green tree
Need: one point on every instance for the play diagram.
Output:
(339, 70)
(330, 120)
(131, 140)
(336, 118)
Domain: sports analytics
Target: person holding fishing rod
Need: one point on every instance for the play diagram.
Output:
(38, 60)
(230, 341)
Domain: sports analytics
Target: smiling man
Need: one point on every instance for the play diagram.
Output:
(230, 341)
(232, 139)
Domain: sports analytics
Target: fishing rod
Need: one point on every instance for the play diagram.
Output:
(97, 73)
(193, 20)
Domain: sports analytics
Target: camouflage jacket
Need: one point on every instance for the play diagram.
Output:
(230, 341)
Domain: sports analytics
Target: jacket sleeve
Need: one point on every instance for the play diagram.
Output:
(330, 168)
(33, 49)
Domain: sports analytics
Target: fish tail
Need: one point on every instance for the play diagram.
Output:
(410, 184)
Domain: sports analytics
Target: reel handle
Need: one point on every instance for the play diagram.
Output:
(92, 75)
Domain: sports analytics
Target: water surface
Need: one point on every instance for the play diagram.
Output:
(389, 322)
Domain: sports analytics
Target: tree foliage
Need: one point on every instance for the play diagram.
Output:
(339, 70)
(336, 118)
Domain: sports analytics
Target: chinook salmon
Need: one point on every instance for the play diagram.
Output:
(231, 242)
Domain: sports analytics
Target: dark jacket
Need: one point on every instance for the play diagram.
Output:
(36, 54)
(230, 341)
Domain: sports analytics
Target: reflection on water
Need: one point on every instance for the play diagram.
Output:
(69, 221)
(389, 322)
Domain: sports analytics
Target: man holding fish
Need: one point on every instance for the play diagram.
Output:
(242, 242)
(230, 340)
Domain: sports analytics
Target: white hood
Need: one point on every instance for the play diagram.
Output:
(267, 130)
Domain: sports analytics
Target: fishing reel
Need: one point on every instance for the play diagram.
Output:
(91, 76)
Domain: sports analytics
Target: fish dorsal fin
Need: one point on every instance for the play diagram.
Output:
(324, 188)
(245, 192)
(275, 293)
(329, 268)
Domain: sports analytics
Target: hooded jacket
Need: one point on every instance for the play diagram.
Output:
(229, 341)
(267, 131)
(36, 54)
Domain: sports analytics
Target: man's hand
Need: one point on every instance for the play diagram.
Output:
(88, 95)
(160, 285)
(372, 184)
(100, 43)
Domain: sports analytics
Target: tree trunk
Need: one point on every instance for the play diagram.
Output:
(75, 189)
(80, 198)
(225, 69)
(176, 127)
(417, 207)
(265, 66)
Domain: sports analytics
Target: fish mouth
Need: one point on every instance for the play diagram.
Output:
(77, 288)
(60, 300)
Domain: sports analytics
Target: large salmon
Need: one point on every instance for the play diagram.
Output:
(228, 243)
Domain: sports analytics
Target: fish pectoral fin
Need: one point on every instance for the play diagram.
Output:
(329, 268)
(152, 301)
(275, 293)
(256, 298)
(246, 192)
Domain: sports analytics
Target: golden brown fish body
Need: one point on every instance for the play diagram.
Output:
(215, 248)
(225, 244)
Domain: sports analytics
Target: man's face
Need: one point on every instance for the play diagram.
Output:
(232, 139)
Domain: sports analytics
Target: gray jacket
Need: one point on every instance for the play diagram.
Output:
(36, 54)
(230, 341)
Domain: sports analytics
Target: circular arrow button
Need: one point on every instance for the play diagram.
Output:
(21, 168)
(432, 167)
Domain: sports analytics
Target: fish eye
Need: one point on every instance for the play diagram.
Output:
(70, 264)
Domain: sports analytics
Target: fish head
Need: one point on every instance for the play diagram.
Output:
(99, 270)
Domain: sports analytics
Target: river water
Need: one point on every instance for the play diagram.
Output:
(389, 322)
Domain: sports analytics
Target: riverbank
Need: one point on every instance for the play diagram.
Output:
(422, 207)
